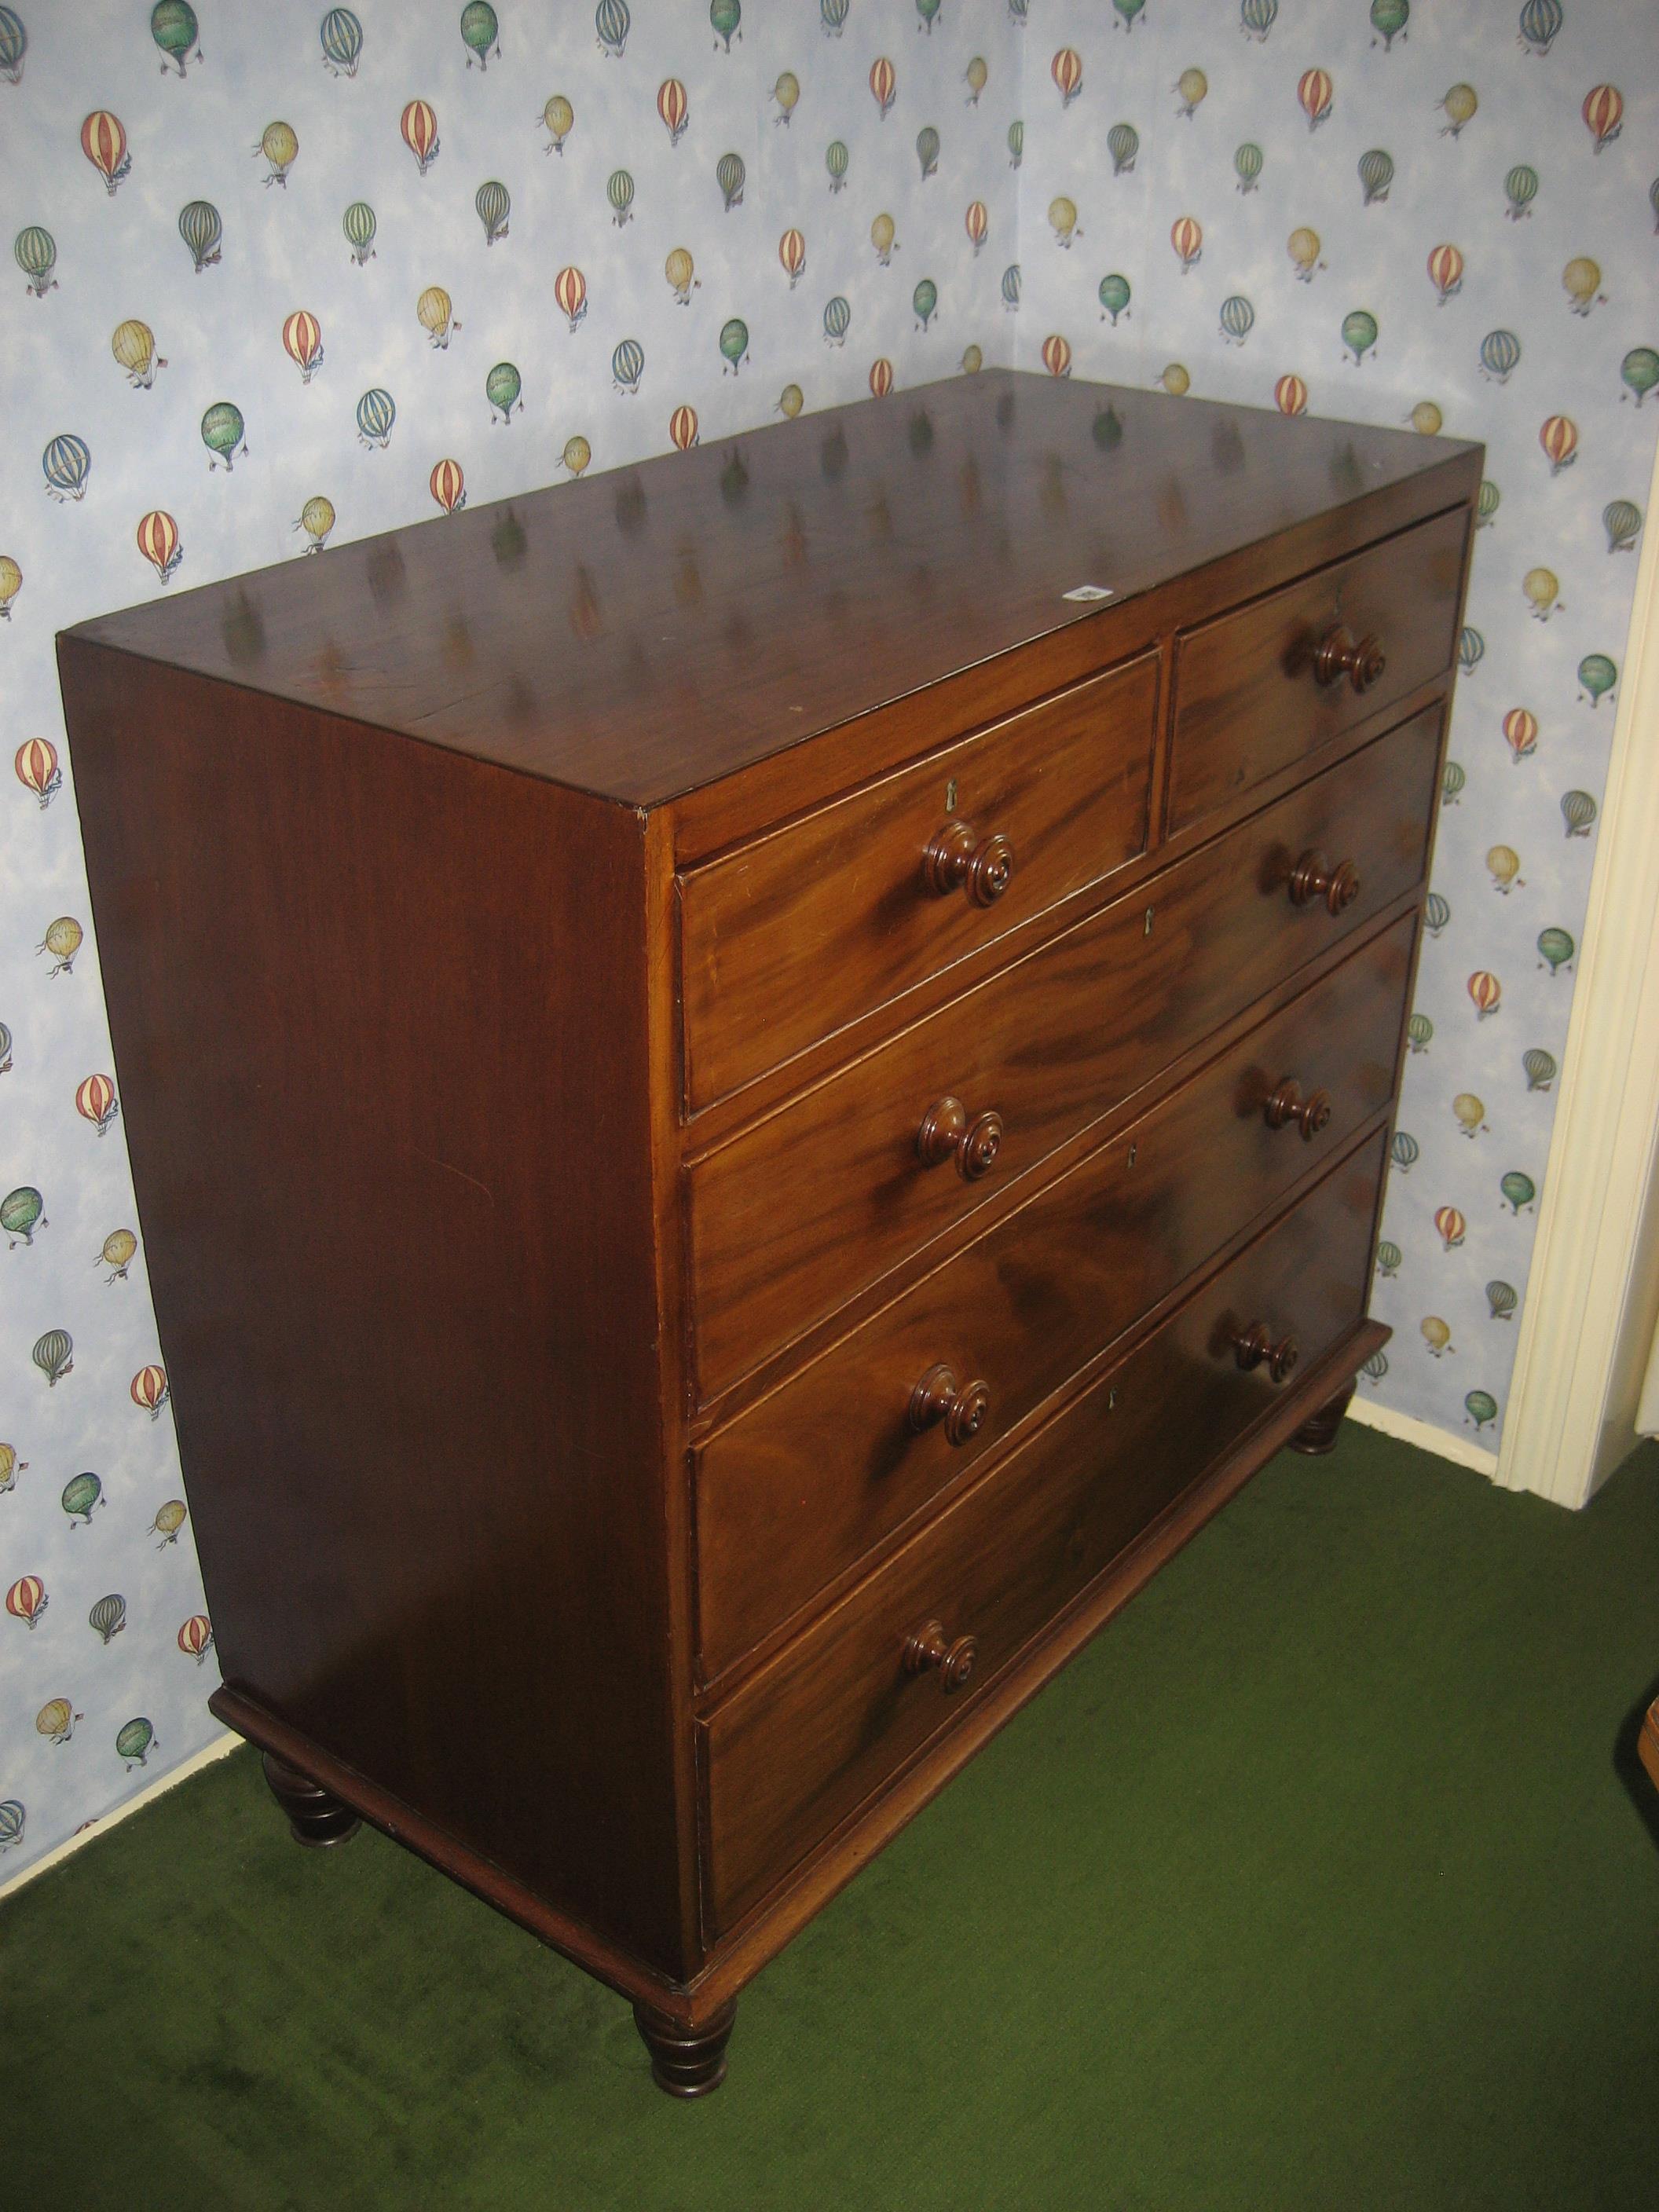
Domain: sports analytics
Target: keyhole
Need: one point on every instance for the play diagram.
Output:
(1134, 1151)
(1146, 929)
(951, 796)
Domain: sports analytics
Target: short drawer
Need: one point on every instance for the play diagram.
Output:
(802, 1745)
(787, 940)
(793, 1216)
(807, 1480)
(1258, 689)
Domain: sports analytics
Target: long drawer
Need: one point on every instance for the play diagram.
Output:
(792, 1216)
(801, 1745)
(1259, 689)
(805, 1481)
(790, 938)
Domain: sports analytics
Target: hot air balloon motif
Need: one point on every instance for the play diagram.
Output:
(881, 379)
(1521, 733)
(1486, 502)
(21, 1212)
(66, 464)
(837, 319)
(172, 27)
(576, 455)
(1484, 989)
(1539, 1067)
(1388, 1257)
(133, 1741)
(628, 365)
(1188, 240)
(1639, 372)
(1578, 813)
(502, 389)
(280, 146)
(1314, 93)
(1066, 70)
(303, 342)
(316, 518)
(560, 118)
(56, 1720)
(11, 582)
(95, 1102)
(1558, 436)
(1302, 246)
(221, 434)
(36, 764)
(1290, 396)
(104, 142)
(1542, 590)
(1518, 1189)
(35, 251)
(1469, 1113)
(1502, 1301)
(1404, 1150)
(1127, 11)
(1174, 379)
(480, 33)
(791, 253)
(976, 222)
(1056, 356)
(1238, 320)
(1388, 20)
(148, 1389)
(1016, 143)
(1459, 107)
(611, 21)
(63, 941)
(786, 93)
(420, 133)
(1426, 418)
(1446, 272)
(883, 85)
(26, 1600)
(118, 1252)
(1451, 1224)
(342, 37)
(1358, 334)
(1598, 675)
(882, 235)
(54, 1355)
(82, 1494)
(725, 15)
(448, 486)
(1500, 350)
(925, 300)
(790, 402)
(1503, 866)
(570, 290)
(1557, 948)
(1011, 287)
(434, 312)
(1436, 913)
(1122, 144)
(1471, 649)
(133, 345)
(157, 537)
(202, 231)
(674, 108)
(928, 151)
(1190, 88)
(1603, 113)
(169, 1520)
(1257, 18)
(1520, 190)
(926, 9)
(834, 160)
(1247, 166)
(679, 269)
(977, 77)
(494, 205)
(195, 1637)
(1482, 1407)
(1437, 1335)
(1376, 175)
(1377, 1365)
(108, 1615)
(1622, 520)
(376, 413)
(1114, 297)
(1062, 219)
(683, 428)
(1581, 279)
(14, 44)
(10, 1467)
(734, 338)
(1540, 20)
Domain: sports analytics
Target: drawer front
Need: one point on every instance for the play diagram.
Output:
(801, 1747)
(797, 1213)
(805, 1481)
(1250, 696)
(793, 937)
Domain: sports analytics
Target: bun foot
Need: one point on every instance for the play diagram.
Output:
(314, 1816)
(686, 2061)
(1318, 1432)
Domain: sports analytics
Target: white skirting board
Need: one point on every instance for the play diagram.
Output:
(1424, 1434)
(220, 1748)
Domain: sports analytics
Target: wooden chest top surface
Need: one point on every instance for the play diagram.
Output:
(643, 633)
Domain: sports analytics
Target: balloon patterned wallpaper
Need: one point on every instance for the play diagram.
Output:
(285, 277)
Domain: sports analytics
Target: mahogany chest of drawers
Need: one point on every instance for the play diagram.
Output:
(754, 1085)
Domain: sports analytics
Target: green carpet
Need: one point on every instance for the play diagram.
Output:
(1324, 1878)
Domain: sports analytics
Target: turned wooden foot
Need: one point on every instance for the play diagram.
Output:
(686, 2061)
(314, 1817)
(1318, 1432)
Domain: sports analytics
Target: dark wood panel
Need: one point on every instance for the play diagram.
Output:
(804, 1742)
(790, 938)
(389, 1141)
(641, 633)
(789, 1220)
(819, 1472)
(1258, 689)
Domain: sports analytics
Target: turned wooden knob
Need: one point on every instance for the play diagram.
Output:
(1256, 1348)
(947, 1133)
(956, 860)
(964, 1410)
(1362, 660)
(1311, 879)
(931, 1647)
(1287, 1106)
